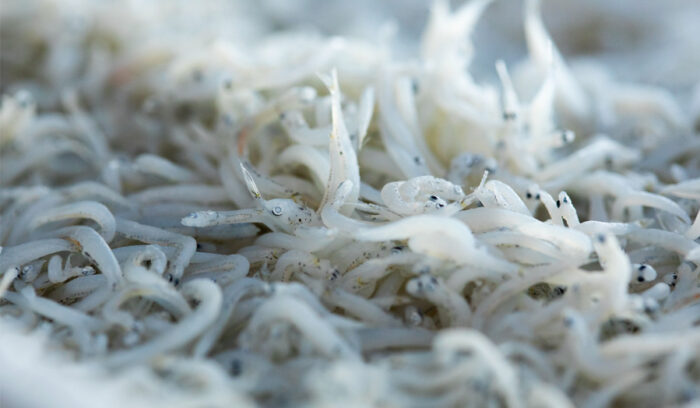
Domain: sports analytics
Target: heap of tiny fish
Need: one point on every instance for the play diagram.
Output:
(311, 221)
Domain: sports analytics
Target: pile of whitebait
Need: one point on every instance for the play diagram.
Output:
(310, 220)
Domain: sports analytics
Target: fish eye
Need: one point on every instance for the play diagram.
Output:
(568, 321)
(277, 211)
(567, 136)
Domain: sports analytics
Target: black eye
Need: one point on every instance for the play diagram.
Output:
(537, 196)
(433, 198)
(277, 211)
(640, 278)
(558, 204)
(236, 367)
(528, 195)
